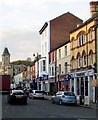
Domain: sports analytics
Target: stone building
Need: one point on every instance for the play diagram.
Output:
(83, 55)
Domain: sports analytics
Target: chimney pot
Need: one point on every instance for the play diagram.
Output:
(93, 7)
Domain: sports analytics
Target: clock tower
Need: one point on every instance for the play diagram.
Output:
(5, 57)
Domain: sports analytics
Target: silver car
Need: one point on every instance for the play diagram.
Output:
(64, 97)
(36, 94)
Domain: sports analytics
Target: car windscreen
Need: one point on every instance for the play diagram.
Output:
(39, 92)
(69, 94)
(18, 93)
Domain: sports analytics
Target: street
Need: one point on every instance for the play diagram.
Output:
(44, 109)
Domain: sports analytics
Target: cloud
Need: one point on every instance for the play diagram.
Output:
(21, 20)
(21, 43)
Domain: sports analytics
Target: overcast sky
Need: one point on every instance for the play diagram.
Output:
(21, 20)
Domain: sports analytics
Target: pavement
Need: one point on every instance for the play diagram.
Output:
(91, 105)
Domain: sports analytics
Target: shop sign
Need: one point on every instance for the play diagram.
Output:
(79, 74)
(44, 77)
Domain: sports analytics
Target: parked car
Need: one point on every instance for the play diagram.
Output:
(27, 91)
(17, 96)
(36, 94)
(64, 97)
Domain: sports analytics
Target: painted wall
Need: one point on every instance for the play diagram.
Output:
(86, 47)
(63, 58)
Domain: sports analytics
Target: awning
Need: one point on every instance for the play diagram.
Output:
(94, 83)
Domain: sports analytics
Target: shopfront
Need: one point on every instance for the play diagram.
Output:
(82, 83)
(64, 82)
(44, 83)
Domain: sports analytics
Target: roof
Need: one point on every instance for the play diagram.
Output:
(86, 22)
(43, 28)
(6, 52)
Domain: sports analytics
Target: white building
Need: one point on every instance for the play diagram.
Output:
(44, 61)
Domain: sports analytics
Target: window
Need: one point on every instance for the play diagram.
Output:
(66, 67)
(84, 60)
(59, 68)
(52, 71)
(65, 50)
(91, 58)
(79, 64)
(81, 39)
(44, 65)
(59, 53)
(90, 37)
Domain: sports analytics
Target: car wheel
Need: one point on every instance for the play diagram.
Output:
(60, 102)
(9, 102)
(52, 101)
(25, 103)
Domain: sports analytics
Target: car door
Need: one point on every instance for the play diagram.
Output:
(57, 97)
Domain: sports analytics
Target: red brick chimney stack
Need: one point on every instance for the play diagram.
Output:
(93, 7)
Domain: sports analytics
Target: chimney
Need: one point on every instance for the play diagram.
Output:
(93, 7)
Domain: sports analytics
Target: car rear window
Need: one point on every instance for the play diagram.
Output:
(18, 93)
(69, 94)
(39, 92)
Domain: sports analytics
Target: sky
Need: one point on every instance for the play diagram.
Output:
(21, 20)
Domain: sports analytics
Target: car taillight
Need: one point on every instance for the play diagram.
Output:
(12, 95)
(63, 96)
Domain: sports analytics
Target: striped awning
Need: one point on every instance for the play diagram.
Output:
(94, 83)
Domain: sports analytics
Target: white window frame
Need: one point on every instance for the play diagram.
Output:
(90, 35)
(65, 50)
(79, 61)
(91, 58)
(84, 60)
(59, 53)
(81, 39)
